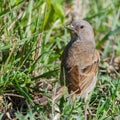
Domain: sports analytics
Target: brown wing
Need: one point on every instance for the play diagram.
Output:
(80, 79)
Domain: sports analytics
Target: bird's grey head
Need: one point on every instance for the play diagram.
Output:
(82, 29)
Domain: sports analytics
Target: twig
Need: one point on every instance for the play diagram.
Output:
(14, 95)
(113, 55)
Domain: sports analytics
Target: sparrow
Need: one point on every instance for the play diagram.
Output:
(80, 60)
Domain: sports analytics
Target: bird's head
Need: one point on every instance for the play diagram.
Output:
(81, 29)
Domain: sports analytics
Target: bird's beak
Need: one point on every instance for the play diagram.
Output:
(70, 27)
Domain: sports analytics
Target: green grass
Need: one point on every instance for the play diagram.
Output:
(32, 38)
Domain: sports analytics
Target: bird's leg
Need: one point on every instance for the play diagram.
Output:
(74, 95)
(87, 109)
(73, 98)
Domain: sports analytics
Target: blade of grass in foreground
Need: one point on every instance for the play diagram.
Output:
(10, 9)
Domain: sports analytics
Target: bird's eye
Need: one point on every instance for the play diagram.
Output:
(81, 26)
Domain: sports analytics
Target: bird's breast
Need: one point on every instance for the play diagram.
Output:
(80, 53)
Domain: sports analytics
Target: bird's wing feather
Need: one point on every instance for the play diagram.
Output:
(81, 79)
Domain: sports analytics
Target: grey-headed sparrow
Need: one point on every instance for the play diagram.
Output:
(80, 60)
